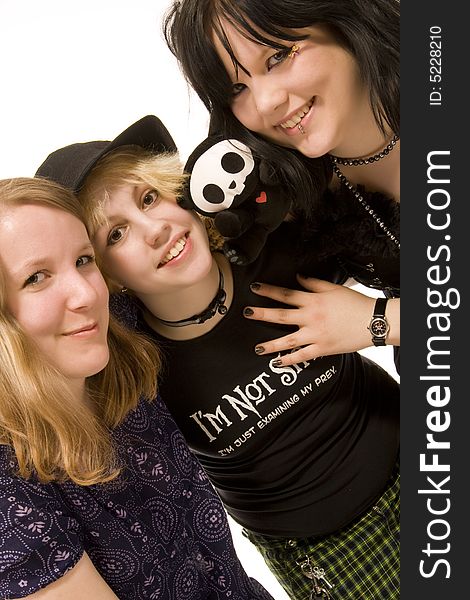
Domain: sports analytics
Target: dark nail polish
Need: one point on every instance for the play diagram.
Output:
(259, 350)
(255, 286)
(277, 362)
(248, 312)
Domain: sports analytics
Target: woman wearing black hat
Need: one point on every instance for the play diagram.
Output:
(304, 457)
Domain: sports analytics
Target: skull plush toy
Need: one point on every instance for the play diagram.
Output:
(239, 191)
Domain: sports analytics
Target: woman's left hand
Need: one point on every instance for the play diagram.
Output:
(331, 319)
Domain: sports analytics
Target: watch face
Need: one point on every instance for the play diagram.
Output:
(379, 327)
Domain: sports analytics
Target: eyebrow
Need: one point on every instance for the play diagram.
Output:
(30, 266)
(112, 219)
(109, 221)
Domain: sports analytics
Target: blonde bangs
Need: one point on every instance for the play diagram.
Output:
(129, 165)
(18, 191)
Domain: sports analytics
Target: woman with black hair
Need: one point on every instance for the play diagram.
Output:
(312, 87)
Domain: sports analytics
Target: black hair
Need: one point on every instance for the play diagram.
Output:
(368, 29)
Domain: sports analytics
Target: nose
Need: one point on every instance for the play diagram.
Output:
(82, 292)
(156, 231)
(269, 94)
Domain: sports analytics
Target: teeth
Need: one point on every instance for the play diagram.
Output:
(293, 121)
(174, 251)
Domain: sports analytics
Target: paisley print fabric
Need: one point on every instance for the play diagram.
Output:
(159, 531)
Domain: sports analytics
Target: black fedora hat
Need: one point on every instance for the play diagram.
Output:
(70, 165)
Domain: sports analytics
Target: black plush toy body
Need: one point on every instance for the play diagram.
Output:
(239, 191)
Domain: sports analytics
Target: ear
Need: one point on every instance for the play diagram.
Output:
(114, 287)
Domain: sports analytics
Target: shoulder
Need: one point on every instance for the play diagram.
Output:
(40, 537)
(152, 426)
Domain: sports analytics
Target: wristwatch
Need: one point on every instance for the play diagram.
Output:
(378, 325)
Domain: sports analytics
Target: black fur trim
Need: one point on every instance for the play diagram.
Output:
(341, 225)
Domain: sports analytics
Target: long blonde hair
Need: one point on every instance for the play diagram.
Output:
(53, 437)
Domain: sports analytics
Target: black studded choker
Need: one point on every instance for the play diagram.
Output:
(216, 306)
(354, 162)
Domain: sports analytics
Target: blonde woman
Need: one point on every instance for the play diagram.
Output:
(100, 497)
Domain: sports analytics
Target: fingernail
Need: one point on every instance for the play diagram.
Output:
(259, 350)
(254, 286)
(277, 362)
(248, 312)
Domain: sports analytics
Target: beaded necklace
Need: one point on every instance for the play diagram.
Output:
(353, 162)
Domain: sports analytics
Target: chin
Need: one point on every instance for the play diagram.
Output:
(313, 154)
(93, 364)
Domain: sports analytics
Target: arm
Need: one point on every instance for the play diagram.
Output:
(82, 582)
(331, 319)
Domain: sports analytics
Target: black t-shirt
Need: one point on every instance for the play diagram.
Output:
(292, 451)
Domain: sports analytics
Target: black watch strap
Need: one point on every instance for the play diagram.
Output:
(378, 325)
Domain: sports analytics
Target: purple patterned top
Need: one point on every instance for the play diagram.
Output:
(159, 531)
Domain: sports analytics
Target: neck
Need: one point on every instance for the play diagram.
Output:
(360, 135)
(382, 176)
(355, 161)
(362, 142)
(184, 304)
(79, 391)
(376, 176)
(217, 305)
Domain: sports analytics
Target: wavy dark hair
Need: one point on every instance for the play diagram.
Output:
(368, 29)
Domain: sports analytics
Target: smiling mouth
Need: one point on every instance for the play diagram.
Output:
(83, 329)
(299, 115)
(174, 251)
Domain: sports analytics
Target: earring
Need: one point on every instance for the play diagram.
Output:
(293, 51)
(123, 290)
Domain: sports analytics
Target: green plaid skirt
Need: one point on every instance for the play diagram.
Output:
(359, 562)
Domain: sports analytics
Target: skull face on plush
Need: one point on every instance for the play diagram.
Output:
(239, 191)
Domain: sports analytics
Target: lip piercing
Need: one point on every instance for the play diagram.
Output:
(294, 51)
(300, 128)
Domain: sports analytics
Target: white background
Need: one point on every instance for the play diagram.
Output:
(81, 70)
